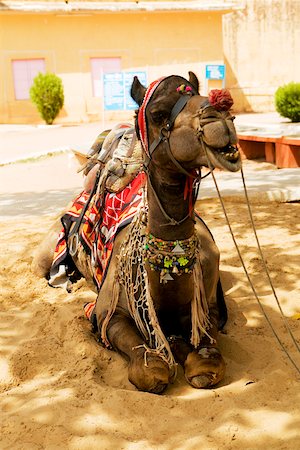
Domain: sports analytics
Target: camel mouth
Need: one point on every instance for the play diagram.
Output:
(227, 158)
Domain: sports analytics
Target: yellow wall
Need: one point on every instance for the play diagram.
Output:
(161, 43)
(261, 51)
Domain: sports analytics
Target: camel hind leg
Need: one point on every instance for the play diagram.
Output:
(43, 256)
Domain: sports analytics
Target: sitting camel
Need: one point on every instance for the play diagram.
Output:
(160, 300)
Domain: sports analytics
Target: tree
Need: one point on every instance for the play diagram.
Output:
(287, 101)
(48, 95)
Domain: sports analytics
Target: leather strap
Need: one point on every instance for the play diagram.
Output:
(177, 163)
(73, 239)
(177, 108)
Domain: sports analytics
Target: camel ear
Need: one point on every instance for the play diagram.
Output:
(137, 91)
(194, 81)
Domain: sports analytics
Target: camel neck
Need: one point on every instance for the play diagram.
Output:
(166, 198)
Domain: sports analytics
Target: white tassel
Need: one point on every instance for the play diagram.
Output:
(200, 311)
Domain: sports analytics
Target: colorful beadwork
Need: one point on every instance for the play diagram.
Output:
(184, 89)
(176, 257)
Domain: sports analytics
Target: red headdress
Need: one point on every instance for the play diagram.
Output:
(220, 99)
(142, 113)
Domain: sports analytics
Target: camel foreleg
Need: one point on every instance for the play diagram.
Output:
(147, 371)
(204, 367)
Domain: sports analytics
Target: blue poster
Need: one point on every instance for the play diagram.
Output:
(113, 89)
(116, 89)
(215, 72)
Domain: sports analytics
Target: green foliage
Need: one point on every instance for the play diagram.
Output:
(287, 101)
(48, 95)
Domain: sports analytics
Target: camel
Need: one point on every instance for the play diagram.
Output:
(161, 303)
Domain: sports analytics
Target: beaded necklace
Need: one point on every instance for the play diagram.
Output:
(170, 257)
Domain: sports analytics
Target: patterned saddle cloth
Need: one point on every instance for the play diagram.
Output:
(113, 206)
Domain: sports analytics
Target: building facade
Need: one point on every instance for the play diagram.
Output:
(80, 41)
(261, 45)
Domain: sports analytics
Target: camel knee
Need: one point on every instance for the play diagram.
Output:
(43, 256)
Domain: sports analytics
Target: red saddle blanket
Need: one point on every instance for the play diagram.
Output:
(100, 224)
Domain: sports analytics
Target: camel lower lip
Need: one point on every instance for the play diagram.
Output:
(227, 158)
(230, 153)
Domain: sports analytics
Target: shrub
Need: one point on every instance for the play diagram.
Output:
(48, 95)
(287, 101)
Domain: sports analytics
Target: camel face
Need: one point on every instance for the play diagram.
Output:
(217, 132)
(201, 135)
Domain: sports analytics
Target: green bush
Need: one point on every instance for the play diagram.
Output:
(48, 95)
(287, 101)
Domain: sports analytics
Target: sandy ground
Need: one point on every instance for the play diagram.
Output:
(61, 390)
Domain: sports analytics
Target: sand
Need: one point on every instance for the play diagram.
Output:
(61, 390)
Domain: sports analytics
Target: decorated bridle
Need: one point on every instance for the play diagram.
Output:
(221, 100)
(165, 131)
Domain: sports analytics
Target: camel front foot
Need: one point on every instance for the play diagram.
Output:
(204, 367)
(148, 372)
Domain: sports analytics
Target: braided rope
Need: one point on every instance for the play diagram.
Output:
(284, 349)
(252, 286)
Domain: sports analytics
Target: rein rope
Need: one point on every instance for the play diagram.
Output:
(264, 265)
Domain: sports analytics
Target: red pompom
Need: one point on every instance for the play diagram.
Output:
(220, 99)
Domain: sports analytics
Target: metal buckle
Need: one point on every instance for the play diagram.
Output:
(165, 132)
(73, 244)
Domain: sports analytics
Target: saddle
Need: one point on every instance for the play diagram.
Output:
(119, 156)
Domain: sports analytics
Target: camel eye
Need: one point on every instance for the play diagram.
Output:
(159, 116)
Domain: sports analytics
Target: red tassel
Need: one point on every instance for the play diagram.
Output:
(186, 188)
(188, 192)
(220, 99)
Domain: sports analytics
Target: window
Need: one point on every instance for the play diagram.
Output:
(100, 66)
(24, 71)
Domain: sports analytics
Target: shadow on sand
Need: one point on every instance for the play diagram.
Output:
(66, 391)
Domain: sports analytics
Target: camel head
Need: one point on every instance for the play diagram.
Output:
(199, 130)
